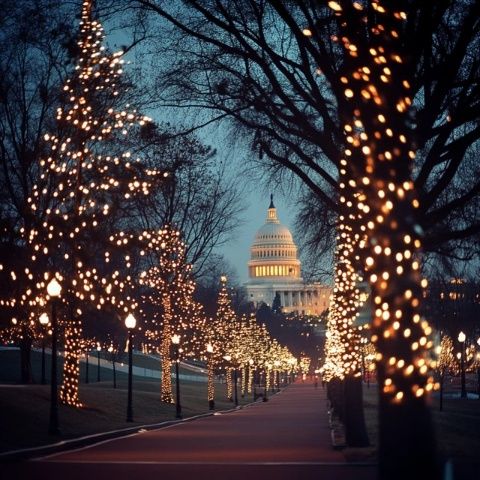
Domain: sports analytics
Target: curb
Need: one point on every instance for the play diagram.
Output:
(26, 454)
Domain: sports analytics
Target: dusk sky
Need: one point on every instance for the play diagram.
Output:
(237, 251)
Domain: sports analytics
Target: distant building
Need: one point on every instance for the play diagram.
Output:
(274, 268)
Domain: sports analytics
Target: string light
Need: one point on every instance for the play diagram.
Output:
(77, 187)
(378, 170)
(171, 288)
(446, 361)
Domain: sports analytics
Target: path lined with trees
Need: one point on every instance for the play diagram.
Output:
(286, 437)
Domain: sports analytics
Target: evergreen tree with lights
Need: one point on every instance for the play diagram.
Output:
(91, 177)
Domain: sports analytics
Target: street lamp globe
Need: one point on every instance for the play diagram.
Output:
(130, 321)
(44, 319)
(54, 288)
(461, 337)
(99, 348)
(209, 348)
(227, 358)
(176, 339)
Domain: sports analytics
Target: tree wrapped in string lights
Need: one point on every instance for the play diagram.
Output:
(91, 177)
(171, 289)
(219, 334)
(342, 347)
(446, 362)
(378, 152)
(226, 322)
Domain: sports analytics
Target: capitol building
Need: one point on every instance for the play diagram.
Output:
(275, 268)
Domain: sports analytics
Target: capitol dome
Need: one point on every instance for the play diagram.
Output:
(273, 254)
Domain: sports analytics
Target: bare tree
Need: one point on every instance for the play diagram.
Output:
(36, 46)
(200, 198)
(249, 61)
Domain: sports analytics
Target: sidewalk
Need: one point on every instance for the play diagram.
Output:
(287, 437)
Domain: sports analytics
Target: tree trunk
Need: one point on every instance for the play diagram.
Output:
(374, 109)
(210, 384)
(166, 388)
(229, 384)
(407, 424)
(244, 380)
(441, 391)
(71, 363)
(25, 359)
(335, 394)
(354, 420)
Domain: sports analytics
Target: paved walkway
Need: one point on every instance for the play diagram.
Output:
(285, 438)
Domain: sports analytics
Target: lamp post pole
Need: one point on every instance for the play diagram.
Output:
(461, 339)
(362, 350)
(235, 378)
(54, 289)
(86, 365)
(44, 380)
(130, 323)
(478, 370)
(98, 362)
(178, 405)
(276, 376)
(44, 322)
(112, 357)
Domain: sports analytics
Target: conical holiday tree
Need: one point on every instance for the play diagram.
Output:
(93, 177)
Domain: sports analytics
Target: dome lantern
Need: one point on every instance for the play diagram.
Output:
(273, 252)
(272, 212)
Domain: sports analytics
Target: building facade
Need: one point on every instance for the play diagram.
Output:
(274, 268)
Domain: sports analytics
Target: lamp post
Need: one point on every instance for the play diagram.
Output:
(99, 349)
(178, 406)
(130, 323)
(86, 364)
(235, 381)
(276, 375)
(112, 357)
(461, 338)
(478, 370)
(210, 386)
(54, 289)
(43, 322)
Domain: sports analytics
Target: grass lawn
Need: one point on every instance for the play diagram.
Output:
(457, 428)
(24, 409)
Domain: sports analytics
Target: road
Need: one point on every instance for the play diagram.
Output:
(285, 438)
